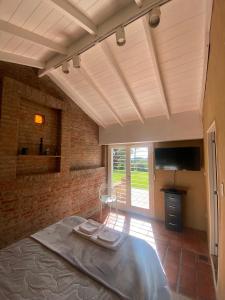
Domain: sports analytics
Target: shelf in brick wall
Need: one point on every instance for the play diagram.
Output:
(37, 164)
(34, 156)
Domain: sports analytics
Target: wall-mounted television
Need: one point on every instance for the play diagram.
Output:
(182, 158)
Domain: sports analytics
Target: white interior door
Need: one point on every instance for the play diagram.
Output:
(131, 171)
(213, 192)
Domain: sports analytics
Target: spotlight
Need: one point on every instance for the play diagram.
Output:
(65, 67)
(76, 61)
(120, 36)
(154, 17)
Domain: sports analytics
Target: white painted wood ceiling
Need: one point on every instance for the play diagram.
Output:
(157, 72)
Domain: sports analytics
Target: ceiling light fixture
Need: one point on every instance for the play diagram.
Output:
(65, 67)
(154, 17)
(120, 36)
(76, 61)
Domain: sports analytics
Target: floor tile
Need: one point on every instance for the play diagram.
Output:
(188, 258)
(173, 255)
(184, 255)
(188, 281)
(205, 292)
(171, 273)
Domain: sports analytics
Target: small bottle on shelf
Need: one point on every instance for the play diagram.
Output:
(41, 146)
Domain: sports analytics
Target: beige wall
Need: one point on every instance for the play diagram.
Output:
(192, 181)
(214, 110)
(182, 126)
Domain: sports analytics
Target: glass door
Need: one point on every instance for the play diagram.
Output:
(139, 177)
(131, 171)
(119, 174)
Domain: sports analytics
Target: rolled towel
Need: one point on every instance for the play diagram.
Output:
(89, 227)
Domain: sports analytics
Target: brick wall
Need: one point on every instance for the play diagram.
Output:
(30, 202)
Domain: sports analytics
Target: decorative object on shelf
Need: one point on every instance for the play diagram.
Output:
(24, 151)
(47, 151)
(41, 146)
(39, 119)
(40, 149)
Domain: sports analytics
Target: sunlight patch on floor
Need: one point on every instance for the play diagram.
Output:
(134, 227)
(115, 221)
(142, 230)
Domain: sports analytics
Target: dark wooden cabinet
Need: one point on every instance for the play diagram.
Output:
(173, 199)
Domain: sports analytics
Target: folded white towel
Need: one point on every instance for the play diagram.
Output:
(89, 227)
(108, 235)
(103, 236)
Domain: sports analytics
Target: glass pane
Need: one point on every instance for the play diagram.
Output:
(119, 172)
(139, 177)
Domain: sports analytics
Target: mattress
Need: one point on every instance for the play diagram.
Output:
(29, 270)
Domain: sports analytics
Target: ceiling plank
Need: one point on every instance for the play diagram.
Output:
(156, 66)
(77, 98)
(31, 37)
(74, 14)
(115, 66)
(99, 91)
(124, 16)
(21, 60)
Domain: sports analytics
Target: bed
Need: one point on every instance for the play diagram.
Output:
(56, 263)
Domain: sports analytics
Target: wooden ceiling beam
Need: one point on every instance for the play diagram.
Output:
(92, 82)
(77, 98)
(115, 66)
(21, 60)
(31, 37)
(75, 15)
(156, 65)
(139, 2)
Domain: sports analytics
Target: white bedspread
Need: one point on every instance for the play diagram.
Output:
(133, 271)
(30, 271)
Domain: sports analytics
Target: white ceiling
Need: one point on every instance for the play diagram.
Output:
(42, 18)
(158, 72)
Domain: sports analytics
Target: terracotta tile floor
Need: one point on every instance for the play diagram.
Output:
(184, 256)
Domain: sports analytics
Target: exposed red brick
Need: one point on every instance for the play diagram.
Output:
(33, 201)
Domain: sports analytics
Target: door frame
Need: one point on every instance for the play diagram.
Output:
(212, 174)
(128, 208)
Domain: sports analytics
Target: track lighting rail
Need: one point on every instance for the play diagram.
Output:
(110, 26)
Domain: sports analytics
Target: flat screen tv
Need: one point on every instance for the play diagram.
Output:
(182, 158)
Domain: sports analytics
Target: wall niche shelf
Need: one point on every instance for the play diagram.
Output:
(37, 156)
(38, 143)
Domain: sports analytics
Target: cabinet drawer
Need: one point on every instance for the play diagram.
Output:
(172, 201)
(172, 204)
(172, 208)
(172, 197)
(172, 218)
(173, 222)
(173, 226)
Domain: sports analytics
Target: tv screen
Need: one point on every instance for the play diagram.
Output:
(183, 158)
